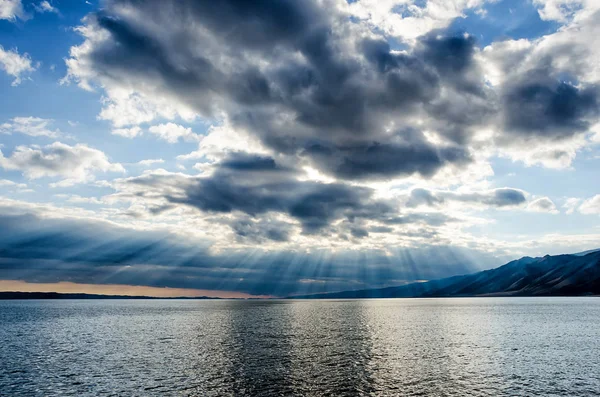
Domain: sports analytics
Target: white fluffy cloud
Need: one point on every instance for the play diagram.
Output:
(406, 19)
(564, 10)
(11, 10)
(555, 155)
(125, 107)
(32, 126)
(150, 162)
(571, 204)
(543, 204)
(591, 206)
(74, 164)
(221, 140)
(45, 6)
(14, 64)
(172, 133)
(11, 184)
(127, 132)
(76, 199)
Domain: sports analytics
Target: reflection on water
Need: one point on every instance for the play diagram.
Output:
(332, 348)
(446, 347)
(258, 337)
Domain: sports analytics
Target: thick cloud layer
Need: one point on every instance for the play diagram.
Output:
(300, 76)
(310, 82)
(312, 86)
(543, 106)
(73, 163)
(257, 185)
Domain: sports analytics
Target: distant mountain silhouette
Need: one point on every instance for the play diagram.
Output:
(560, 275)
(57, 295)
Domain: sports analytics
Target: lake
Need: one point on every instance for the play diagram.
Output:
(395, 347)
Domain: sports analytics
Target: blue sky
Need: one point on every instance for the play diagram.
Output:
(275, 149)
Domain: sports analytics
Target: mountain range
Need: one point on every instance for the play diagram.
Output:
(559, 275)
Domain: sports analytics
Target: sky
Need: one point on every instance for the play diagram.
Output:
(279, 147)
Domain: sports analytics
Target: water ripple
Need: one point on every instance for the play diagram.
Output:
(441, 347)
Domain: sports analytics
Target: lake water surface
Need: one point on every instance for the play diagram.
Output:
(401, 347)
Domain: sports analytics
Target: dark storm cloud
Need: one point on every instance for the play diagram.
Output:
(248, 229)
(253, 24)
(381, 229)
(359, 232)
(451, 55)
(423, 196)
(253, 190)
(248, 162)
(326, 82)
(167, 53)
(502, 197)
(541, 106)
(257, 185)
(38, 249)
(373, 161)
(256, 189)
(307, 80)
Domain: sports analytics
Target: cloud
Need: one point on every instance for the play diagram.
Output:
(14, 64)
(149, 162)
(375, 161)
(12, 184)
(333, 95)
(562, 10)
(80, 200)
(220, 141)
(547, 91)
(541, 105)
(75, 164)
(124, 107)
(502, 197)
(590, 206)
(127, 132)
(325, 74)
(543, 204)
(550, 154)
(261, 200)
(571, 204)
(407, 19)
(45, 6)
(431, 219)
(32, 126)
(256, 186)
(315, 116)
(249, 229)
(172, 133)
(11, 10)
